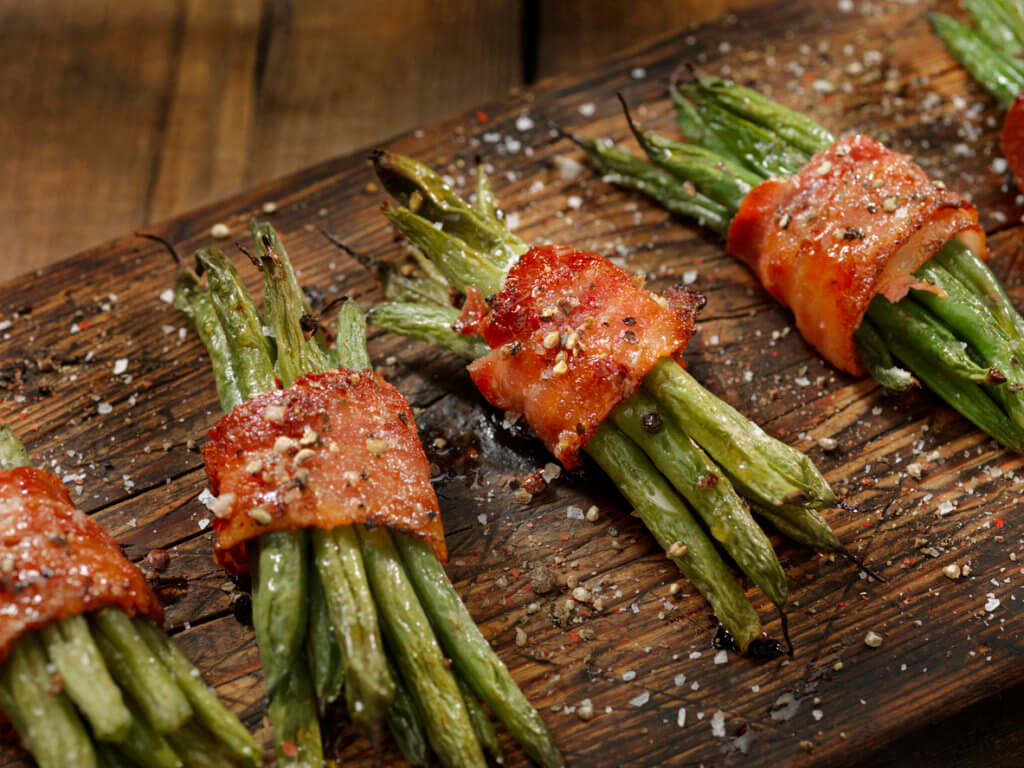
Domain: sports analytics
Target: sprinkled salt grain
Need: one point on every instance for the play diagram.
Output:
(104, 408)
(574, 201)
(681, 717)
(999, 165)
(689, 277)
(802, 381)
(873, 640)
(492, 137)
(827, 443)
(641, 700)
(120, 366)
(220, 230)
(817, 714)
(588, 109)
(585, 711)
(694, 655)
(629, 675)
(718, 724)
(512, 220)
(574, 513)
(270, 207)
(524, 123)
(638, 73)
(482, 518)
(721, 657)
(167, 329)
(204, 523)
(945, 508)
(167, 297)
(952, 571)
(992, 603)
(206, 498)
(128, 483)
(568, 168)
(914, 469)
(551, 472)
(679, 679)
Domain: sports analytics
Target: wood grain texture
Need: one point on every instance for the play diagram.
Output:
(947, 645)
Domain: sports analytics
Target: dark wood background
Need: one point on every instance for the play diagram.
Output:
(943, 689)
(118, 114)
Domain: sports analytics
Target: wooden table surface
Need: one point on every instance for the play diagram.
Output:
(952, 653)
(118, 114)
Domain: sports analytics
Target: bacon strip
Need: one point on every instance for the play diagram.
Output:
(56, 561)
(1012, 140)
(856, 221)
(571, 337)
(333, 449)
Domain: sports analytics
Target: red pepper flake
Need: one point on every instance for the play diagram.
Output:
(574, 635)
(84, 325)
(564, 537)
(288, 749)
(842, 603)
(481, 117)
(515, 572)
(999, 522)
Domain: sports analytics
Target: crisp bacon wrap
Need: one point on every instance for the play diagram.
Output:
(571, 337)
(332, 449)
(856, 221)
(1013, 140)
(56, 561)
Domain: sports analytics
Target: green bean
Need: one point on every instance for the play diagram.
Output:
(12, 452)
(417, 654)
(669, 519)
(47, 721)
(486, 205)
(461, 264)
(350, 343)
(801, 524)
(485, 731)
(410, 287)
(876, 358)
(292, 710)
(1013, 16)
(429, 323)
(193, 300)
(209, 710)
(405, 723)
(369, 688)
(995, 27)
(326, 666)
(725, 182)
(88, 684)
(764, 469)
(999, 76)
(270, 247)
(964, 313)
(420, 189)
(109, 757)
(801, 132)
(694, 129)
(145, 747)
(471, 654)
(963, 263)
(198, 748)
(241, 323)
(758, 149)
(966, 397)
(915, 326)
(279, 608)
(139, 671)
(704, 485)
(620, 167)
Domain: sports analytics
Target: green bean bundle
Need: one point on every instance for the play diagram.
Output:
(342, 615)
(100, 688)
(690, 478)
(955, 331)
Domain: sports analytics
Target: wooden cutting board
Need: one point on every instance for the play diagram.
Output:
(930, 489)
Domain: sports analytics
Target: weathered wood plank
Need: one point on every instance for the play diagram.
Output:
(837, 701)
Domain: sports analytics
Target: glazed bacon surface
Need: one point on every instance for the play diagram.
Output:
(1013, 140)
(856, 221)
(332, 449)
(56, 561)
(571, 337)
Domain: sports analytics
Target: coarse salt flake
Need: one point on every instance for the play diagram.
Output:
(721, 657)
(219, 230)
(167, 297)
(641, 700)
(718, 724)
(588, 109)
(120, 366)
